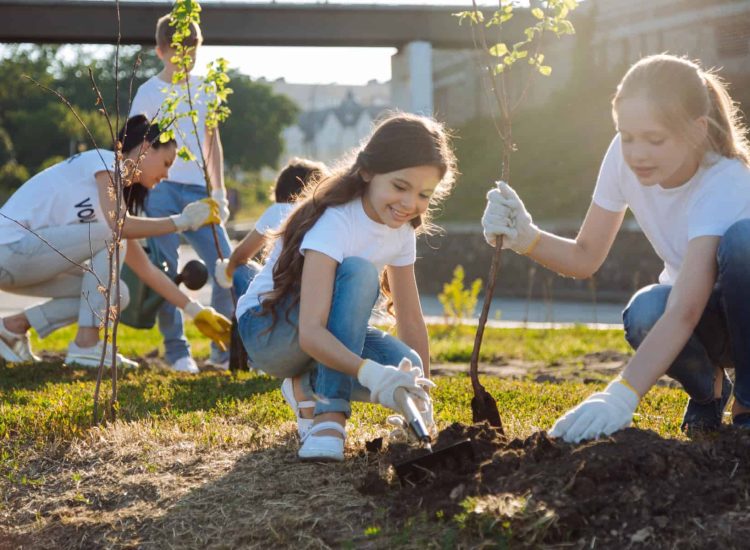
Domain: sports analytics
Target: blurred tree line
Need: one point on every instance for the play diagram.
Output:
(38, 130)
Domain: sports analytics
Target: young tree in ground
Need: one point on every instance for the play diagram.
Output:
(185, 14)
(500, 59)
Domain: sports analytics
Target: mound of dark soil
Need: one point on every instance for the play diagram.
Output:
(632, 489)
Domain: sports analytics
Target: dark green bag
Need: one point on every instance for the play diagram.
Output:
(144, 302)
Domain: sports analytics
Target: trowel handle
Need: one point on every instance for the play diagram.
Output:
(411, 412)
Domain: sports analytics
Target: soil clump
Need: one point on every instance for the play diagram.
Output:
(633, 489)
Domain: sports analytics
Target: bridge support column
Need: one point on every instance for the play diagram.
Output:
(411, 81)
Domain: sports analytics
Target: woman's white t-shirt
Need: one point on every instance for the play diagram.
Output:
(63, 194)
(717, 196)
(342, 232)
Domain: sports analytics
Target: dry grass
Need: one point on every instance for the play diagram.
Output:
(130, 485)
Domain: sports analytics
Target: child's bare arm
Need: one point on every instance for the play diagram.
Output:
(215, 158)
(685, 306)
(245, 251)
(409, 318)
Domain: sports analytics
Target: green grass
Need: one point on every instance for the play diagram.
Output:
(130, 341)
(49, 403)
(448, 344)
(454, 344)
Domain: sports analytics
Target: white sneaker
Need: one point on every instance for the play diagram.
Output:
(90, 357)
(185, 364)
(15, 348)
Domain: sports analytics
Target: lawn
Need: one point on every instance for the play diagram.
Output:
(209, 460)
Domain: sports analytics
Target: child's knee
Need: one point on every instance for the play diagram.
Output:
(643, 311)
(359, 269)
(734, 248)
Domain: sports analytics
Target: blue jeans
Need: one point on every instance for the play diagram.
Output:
(166, 199)
(722, 336)
(242, 277)
(274, 348)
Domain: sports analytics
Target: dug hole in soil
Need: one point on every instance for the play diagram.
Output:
(633, 489)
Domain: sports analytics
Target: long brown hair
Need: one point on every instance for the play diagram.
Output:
(681, 91)
(398, 142)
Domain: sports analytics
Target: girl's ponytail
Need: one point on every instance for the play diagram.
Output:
(727, 134)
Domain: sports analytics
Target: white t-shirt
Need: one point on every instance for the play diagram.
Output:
(717, 196)
(63, 194)
(273, 217)
(342, 232)
(148, 101)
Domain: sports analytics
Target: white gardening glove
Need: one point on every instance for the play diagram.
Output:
(425, 409)
(220, 196)
(602, 413)
(382, 381)
(506, 215)
(222, 278)
(196, 214)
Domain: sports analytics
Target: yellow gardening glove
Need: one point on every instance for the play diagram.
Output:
(196, 215)
(211, 323)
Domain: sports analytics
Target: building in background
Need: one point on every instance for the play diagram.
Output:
(334, 118)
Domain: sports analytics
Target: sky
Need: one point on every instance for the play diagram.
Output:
(316, 65)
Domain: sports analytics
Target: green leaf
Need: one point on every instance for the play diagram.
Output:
(546, 70)
(567, 27)
(570, 4)
(474, 17)
(499, 68)
(499, 50)
(538, 13)
(185, 154)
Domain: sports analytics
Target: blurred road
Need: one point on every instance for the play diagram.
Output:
(504, 311)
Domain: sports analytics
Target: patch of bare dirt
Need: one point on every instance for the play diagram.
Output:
(590, 368)
(634, 489)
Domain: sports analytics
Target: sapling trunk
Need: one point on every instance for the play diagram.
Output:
(500, 58)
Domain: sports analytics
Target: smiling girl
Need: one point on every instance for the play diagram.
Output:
(680, 163)
(305, 317)
(64, 217)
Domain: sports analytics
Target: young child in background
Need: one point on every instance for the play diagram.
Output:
(680, 162)
(238, 269)
(186, 184)
(305, 317)
(66, 214)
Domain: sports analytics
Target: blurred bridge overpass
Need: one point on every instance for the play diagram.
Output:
(414, 30)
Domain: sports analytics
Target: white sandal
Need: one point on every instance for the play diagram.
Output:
(323, 447)
(303, 424)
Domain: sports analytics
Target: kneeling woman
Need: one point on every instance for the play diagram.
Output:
(63, 218)
(305, 316)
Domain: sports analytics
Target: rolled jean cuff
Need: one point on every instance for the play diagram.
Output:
(336, 405)
(66, 310)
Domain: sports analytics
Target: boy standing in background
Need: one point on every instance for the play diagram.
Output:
(186, 184)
